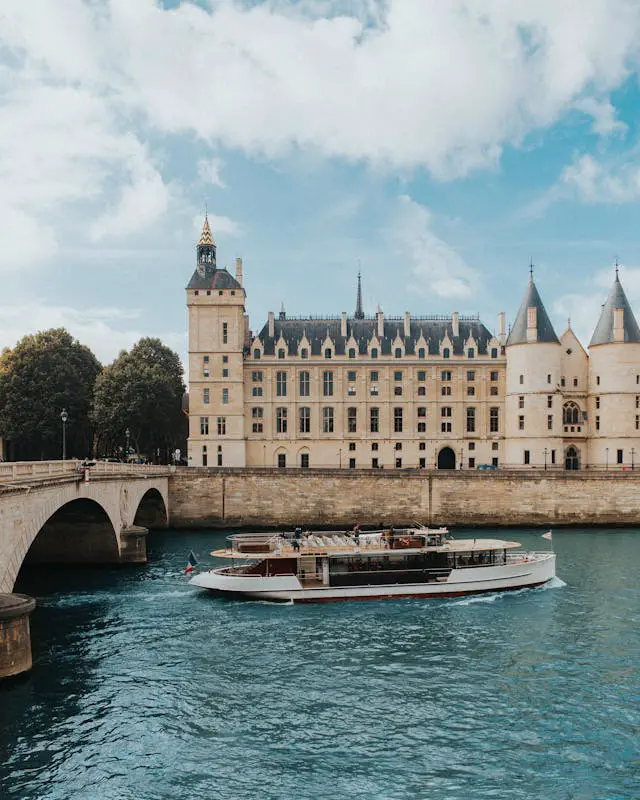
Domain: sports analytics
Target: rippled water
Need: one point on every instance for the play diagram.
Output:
(145, 688)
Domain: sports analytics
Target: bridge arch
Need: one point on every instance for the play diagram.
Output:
(151, 511)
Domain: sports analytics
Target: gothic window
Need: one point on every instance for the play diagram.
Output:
(570, 414)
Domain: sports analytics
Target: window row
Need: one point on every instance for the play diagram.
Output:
(374, 352)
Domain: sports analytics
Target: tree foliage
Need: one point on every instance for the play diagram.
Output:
(141, 392)
(42, 375)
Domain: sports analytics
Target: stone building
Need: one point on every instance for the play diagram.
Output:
(357, 391)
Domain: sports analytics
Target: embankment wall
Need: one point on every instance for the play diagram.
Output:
(201, 497)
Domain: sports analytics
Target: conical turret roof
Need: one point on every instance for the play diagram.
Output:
(518, 334)
(603, 333)
(206, 236)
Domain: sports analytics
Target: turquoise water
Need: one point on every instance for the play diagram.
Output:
(145, 688)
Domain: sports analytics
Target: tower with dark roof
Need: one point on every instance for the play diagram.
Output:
(533, 414)
(217, 335)
(614, 383)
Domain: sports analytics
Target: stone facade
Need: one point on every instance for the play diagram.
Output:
(351, 392)
(226, 498)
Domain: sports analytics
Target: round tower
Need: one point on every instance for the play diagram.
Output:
(614, 384)
(533, 408)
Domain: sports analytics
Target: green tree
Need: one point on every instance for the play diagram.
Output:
(40, 376)
(141, 392)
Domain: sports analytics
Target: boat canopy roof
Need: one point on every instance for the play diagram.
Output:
(337, 543)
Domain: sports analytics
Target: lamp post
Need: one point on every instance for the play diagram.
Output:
(545, 458)
(632, 461)
(64, 417)
(127, 433)
(606, 457)
(340, 458)
(461, 451)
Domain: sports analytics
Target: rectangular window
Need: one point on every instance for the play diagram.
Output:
(352, 463)
(422, 411)
(494, 461)
(256, 427)
(225, 397)
(374, 420)
(521, 423)
(445, 411)
(471, 420)
(472, 445)
(222, 426)
(257, 412)
(373, 377)
(397, 376)
(494, 446)
(422, 427)
(471, 375)
(397, 420)
(305, 420)
(422, 391)
(597, 423)
(549, 422)
(374, 445)
(205, 359)
(397, 391)
(471, 390)
(225, 359)
(281, 384)
(494, 376)
(351, 376)
(256, 391)
(445, 391)
(494, 420)
(374, 463)
(327, 383)
(637, 401)
(472, 462)
(598, 402)
(204, 426)
(225, 333)
(352, 419)
(327, 420)
(205, 396)
(281, 420)
(637, 422)
(398, 463)
(522, 379)
(620, 457)
(549, 401)
(422, 376)
(256, 376)
(446, 427)
(423, 463)
(521, 401)
(374, 391)
(225, 372)
(445, 375)
(471, 353)
(282, 460)
(527, 456)
(351, 391)
(304, 460)
(352, 445)
(422, 446)
(304, 384)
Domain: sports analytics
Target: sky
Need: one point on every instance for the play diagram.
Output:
(438, 148)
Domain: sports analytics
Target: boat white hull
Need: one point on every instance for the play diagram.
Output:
(471, 580)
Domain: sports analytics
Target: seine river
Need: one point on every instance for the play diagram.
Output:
(143, 688)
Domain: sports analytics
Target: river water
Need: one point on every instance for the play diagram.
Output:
(145, 688)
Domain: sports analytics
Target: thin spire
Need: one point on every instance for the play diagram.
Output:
(531, 266)
(617, 265)
(359, 312)
(206, 237)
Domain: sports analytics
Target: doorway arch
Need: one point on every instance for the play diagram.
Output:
(572, 458)
(446, 459)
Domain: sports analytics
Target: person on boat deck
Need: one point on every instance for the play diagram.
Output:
(356, 533)
(297, 535)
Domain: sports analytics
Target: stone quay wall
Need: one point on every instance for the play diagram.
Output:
(251, 497)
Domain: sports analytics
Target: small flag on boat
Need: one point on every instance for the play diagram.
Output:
(191, 563)
(547, 535)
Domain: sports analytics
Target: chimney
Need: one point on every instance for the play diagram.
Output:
(407, 324)
(501, 325)
(343, 325)
(455, 324)
(618, 324)
(380, 323)
(272, 324)
(532, 324)
(239, 270)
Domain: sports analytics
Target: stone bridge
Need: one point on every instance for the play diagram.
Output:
(50, 512)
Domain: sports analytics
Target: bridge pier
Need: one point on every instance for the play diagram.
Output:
(15, 635)
(133, 545)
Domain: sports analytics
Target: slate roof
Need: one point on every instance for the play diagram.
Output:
(212, 278)
(518, 334)
(433, 330)
(603, 333)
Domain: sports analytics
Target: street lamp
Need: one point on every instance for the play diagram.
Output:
(606, 456)
(127, 433)
(64, 417)
(632, 461)
(340, 458)
(545, 458)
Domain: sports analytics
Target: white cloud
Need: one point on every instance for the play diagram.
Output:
(603, 114)
(436, 268)
(592, 181)
(218, 225)
(209, 171)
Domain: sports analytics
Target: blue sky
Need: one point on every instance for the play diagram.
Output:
(435, 146)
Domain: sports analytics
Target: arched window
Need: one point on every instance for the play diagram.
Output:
(281, 353)
(446, 353)
(398, 352)
(256, 354)
(374, 352)
(571, 414)
(304, 353)
(352, 352)
(421, 352)
(328, 352)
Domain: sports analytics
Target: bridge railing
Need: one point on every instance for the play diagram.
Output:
(21, 470)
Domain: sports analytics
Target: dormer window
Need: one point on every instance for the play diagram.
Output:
(352, 352)
(471, 353)
(494, 352)
(281, 353)
(446, 353)
(421, 353)
(374, 352)
(328, 353)
(196, 292)
(304, 353)
(398, 352)
(256, 354)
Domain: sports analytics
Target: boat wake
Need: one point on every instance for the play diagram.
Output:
(554, 583)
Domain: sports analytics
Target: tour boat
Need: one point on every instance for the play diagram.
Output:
(411, 562)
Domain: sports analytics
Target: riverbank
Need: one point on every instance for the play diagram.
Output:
(252, 497)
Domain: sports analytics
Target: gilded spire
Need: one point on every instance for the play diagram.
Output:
(206, 237)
